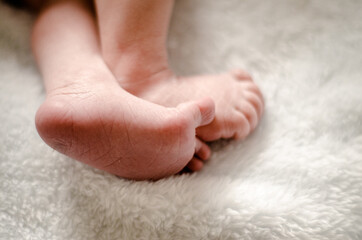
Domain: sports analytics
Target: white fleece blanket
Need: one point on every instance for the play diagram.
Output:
(299, 176)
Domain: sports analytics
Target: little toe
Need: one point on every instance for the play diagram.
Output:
(195, 165)
(202, 150)
(250, 113)
(241, 74)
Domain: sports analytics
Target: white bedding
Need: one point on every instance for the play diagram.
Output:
(299, 176)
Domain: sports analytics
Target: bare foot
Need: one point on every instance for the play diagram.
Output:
(133, 38)
(87, 116)
(102, 125)
(239, 102)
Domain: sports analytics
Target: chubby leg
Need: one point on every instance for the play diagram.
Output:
(133, 38)
(89, 117)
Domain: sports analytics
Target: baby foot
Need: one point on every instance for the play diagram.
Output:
(102, 125)
(238, 101)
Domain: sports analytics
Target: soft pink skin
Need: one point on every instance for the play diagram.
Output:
(133, 37)
(89, 117)
(136, 120)
(238, 101)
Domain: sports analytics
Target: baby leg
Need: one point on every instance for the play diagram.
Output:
(89, 117)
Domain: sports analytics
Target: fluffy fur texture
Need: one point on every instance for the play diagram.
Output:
(299, 176)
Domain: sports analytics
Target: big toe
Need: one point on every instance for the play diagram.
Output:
(202, 111)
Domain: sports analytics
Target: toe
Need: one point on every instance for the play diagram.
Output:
(195, 165)
(243, 126)
(231, 123)
(210, 132)
(251, 87)
(241, 74)
(255, 101)
(202, 150)
(250, 113)
(202, 112)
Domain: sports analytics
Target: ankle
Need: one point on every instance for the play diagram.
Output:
(135, 73)
(138, 63)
